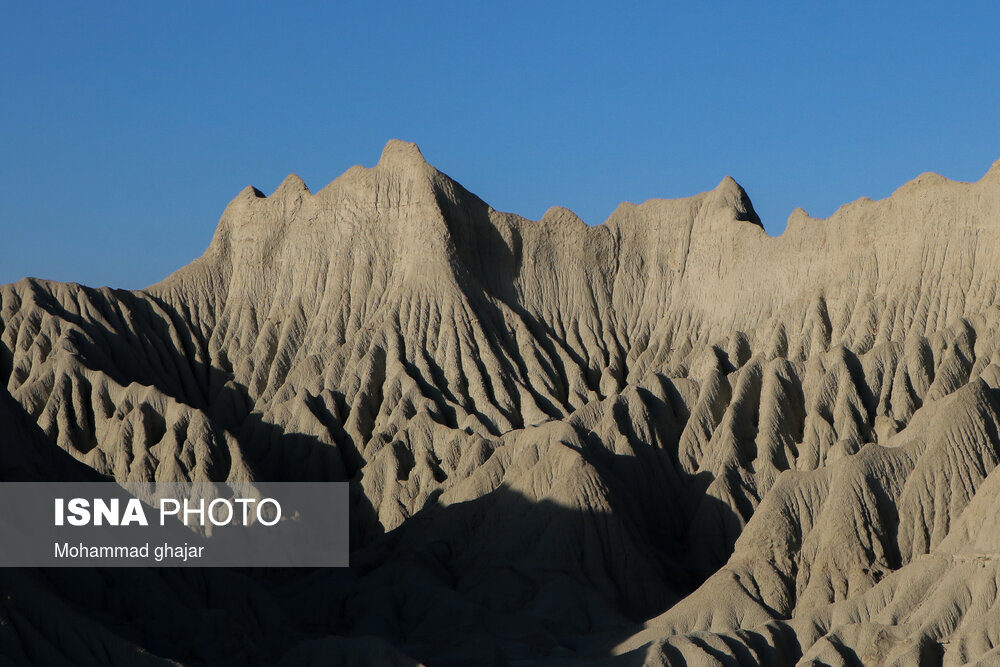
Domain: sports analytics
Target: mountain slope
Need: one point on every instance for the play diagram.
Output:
(668, 438)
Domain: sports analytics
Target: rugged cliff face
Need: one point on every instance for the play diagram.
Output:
(666, 439)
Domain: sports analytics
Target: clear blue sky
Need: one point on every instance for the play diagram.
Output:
(125, 128)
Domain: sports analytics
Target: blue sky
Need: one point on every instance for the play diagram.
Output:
(125, 128)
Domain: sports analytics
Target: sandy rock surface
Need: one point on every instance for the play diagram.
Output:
(668, 439)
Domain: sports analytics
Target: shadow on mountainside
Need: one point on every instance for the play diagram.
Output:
(497, 580)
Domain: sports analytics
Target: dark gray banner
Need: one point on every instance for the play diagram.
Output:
(263, 524)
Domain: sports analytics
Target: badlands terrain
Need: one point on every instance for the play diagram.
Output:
(668, 439)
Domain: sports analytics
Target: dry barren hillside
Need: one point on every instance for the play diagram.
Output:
(668, 439)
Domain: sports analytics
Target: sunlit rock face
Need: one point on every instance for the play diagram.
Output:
(666, 439)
